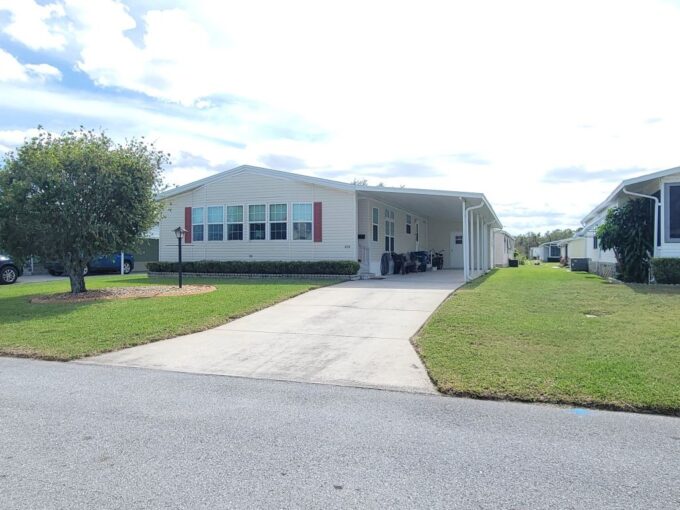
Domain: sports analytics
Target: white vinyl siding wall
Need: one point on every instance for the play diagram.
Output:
(403, 242)
(338, 225)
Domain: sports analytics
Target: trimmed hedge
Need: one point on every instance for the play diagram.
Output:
(339, 267)
(666, 270)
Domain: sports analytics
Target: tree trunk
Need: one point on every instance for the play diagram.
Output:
(77, 281)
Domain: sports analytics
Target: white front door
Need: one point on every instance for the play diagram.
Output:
(456, 251)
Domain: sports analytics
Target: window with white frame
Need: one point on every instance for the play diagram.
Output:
(389, 230)
(234, 223)
(376, 219)
(257, 222)
(278, 221)
(408, 223)
(302, 222)
(672, 213)
(197, 223)
(216, 223)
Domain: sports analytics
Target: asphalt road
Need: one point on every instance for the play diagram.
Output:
(84, 436)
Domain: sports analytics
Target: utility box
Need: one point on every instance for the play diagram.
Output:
(578, 264)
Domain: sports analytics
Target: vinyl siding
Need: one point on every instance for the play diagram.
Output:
(503, 252)
(403, 242)
(339, 220)
(440, 238)
(577, 248)
(596, 254)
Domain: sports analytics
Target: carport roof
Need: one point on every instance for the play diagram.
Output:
(435, 204)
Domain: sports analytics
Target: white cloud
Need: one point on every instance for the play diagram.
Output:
(43, 71)
(35, 25)
(375, 83)
(13, 70)
(10, 68)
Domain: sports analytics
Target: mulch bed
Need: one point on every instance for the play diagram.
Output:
(144, 291)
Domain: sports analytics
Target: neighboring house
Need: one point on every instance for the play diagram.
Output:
(547, 252)
(252, 213)
(572, 248)
(661, 189)
(504, 248)
(535, 253)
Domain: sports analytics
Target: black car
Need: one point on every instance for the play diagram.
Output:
(9, 271)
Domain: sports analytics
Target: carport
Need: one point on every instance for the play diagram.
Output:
(459, 225)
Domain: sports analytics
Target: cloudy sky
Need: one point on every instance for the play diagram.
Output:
(544, 106)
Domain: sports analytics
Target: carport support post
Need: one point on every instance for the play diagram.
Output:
(122, 258)
(479, 243)
(466, 255)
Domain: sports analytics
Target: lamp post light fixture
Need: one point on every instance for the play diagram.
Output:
(179, 232)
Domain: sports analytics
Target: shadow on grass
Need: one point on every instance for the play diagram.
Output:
(642, 288)
(19, 308)
(479, 281)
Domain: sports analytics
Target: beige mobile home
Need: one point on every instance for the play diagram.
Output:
(252, 213)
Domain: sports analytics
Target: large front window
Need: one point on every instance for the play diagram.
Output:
(278, 221)
(257, 222)
(216, 223)
(672, 213)
(197, 223)
(234, 223)
(302, 222)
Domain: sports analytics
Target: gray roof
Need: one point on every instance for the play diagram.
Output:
(628, 182)
(329, 184)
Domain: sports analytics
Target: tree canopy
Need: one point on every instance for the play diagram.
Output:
(72, 197)
(525, 241)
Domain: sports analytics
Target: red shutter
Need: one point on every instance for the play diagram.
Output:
(318, 222)
(187, 225)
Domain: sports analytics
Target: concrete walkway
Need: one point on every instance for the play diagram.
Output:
(355, 334)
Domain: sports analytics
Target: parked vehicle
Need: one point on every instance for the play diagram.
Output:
(100, 264)
(9, 270)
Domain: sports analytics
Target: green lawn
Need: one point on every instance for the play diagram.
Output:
(64, 331)
(526, 334)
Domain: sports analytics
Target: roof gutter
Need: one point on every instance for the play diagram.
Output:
(656, 215)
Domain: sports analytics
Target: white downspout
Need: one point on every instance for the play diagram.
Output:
(466, 255)
(656, 215)
(470, 227)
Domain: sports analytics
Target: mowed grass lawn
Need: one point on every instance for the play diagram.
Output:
(529, 334)
(64, 331)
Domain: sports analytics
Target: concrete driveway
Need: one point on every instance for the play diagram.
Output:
(355, 333)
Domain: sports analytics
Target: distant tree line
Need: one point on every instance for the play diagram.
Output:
(525, 241)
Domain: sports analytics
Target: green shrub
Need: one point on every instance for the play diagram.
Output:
(629, 231)
(339, 267)
(666, 270)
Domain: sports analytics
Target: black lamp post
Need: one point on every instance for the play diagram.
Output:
(179, 232)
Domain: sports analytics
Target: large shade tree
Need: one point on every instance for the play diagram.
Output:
(72, 197)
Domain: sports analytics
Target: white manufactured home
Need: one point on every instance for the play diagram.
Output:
(252, 213)
(662, 190)
(504, 248)
(546, 252)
